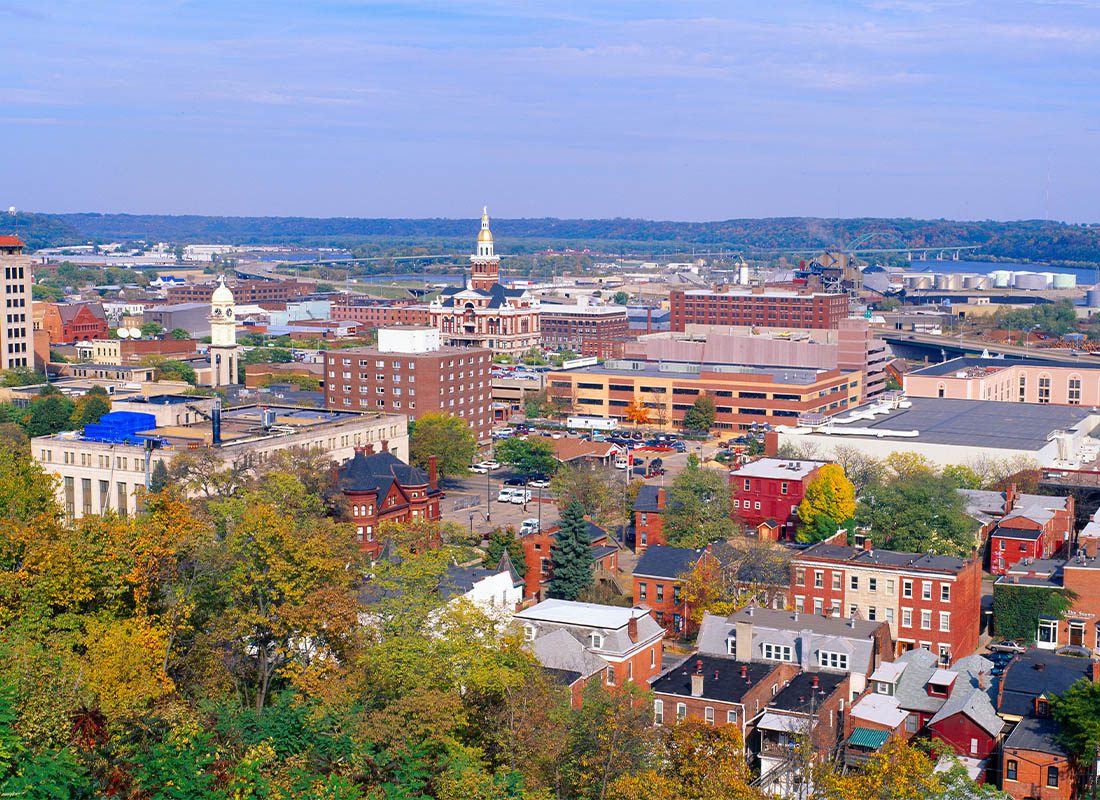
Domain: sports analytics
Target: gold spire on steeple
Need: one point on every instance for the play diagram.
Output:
(485, 235)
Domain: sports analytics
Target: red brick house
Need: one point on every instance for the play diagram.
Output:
(628, 639)
(1021, 526)
(536, 551)
(74, 322)
(717, 691)
(929, 601)
(1033, 762)
(766, 494)
(658, 585)
(649, 510)
(380, 487)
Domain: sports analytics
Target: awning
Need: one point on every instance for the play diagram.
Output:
(782, 722)
(868, 738)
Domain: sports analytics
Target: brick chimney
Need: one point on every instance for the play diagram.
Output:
(814, 681)
(1096, 671)
(771, 443)
(632, 628)
(1010, 497)
(868, 543)
(368, 449)
(661, 497)
(433, 473)
(744, 672)
(697, 680)
(385, 445)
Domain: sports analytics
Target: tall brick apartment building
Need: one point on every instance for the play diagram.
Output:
(408, 372)
(757, 307)
(244, 292)
(929, 601)
(381, 314)
(771, 489)
(599, 331)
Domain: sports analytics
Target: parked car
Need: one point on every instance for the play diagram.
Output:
(530, 525)
(490, 465)
(506, 494)
(1007, 646)
(539, 482)
(480, 469)
(515, 482)
(622, 462)
(520, 496)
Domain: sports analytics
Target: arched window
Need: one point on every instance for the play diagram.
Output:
(1044, 387)
(941, 389)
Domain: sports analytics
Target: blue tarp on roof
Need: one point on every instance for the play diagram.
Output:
(119, 427)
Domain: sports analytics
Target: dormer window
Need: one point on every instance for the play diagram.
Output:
(529, 633)
(597, 640)
(731, 645)
(1042, 706)
(884, 687)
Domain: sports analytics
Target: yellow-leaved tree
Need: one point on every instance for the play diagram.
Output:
(830, 499)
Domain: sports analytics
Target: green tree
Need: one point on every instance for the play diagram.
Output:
(700, 417)
(21, 376)
(502, 539)
(919, 512)
(699, 506)
(620, 298)
(179, 334)
(962, 477)
(571, 555)
(158, 479)
(533, 456)
(1077, 712)
(173, 370)
(599, 491)
(830, 500)
(151, 329)
(446, 437)
(50, 413)
(89, 408)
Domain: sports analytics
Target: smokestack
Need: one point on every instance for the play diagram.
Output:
(216, 422)
(632, 629)
(983, 680)
(433, 473)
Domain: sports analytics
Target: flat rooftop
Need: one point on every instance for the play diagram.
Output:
(978, 423)
(778, 468)
(788, 375)
(965, 363)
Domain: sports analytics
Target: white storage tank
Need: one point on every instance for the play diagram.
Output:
(977, 282)
(1092, 297)
(1064, 280)
(1001, 278)
(1029, 281)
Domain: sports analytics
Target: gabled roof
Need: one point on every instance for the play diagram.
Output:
(558, 650)
(10, 241)
(69, 311)
(663, 561)
(1035, 673)
(498, 295)
(974, 703)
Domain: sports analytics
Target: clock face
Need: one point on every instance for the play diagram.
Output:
(229, 312)
(217, 312)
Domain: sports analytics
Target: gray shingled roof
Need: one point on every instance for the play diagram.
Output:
(1036, 733)
(663, 561)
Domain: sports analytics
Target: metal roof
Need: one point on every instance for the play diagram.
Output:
(868, 737)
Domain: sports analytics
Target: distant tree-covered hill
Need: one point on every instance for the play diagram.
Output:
(1034, 240)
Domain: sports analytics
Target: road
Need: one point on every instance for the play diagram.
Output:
(466, 504)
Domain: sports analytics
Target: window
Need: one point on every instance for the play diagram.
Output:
(529, 633)
(681, 712)
(819, 579)
(708, 715)
(597, 640)
(819, 605)
(1052, 777)
(890, 586)
(731, 717)
(890, 615)
(907, 589)
(776, 652)
(854, 583)
(926, 620)
(783, 488)
(945, 592)
(1048, 631)
(641, 591)
(800, 577)
(911, 723)
(800, 604)
(731, 645)
(832, 660)
(836, 580)
(945, 622)
(907, 617)
(1011, 766)
(926, 590)
(872, 614)
(1044, 391)
(660, 592)
(872, 584)
(610, 676)
(1075, 391)
(658, 712)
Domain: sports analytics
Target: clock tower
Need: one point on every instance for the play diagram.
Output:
(486, 264)
(223, 337)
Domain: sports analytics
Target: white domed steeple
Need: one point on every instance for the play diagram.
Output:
(222, 296)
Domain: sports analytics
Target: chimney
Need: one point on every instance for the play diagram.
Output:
(1096, 671)
(661, 497)
(368, 449)
(632, 628)
(433, 472)
(697, 680)
(868, 543)
(814, 681)
(743, 642)
(1010, 497)
(385, 445)
(983, 680)
(771, 443)
(744, 672)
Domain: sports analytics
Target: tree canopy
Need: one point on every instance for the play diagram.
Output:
(699, 506)
(918, 511)
(571, 555)
(446, 437)
(830, 500)
(530, 456)
(700, 417)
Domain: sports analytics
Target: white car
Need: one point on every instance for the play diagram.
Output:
(622, 462)
(530, 525)
(507, 494)
(485, 466)
(539, 483)
(480, 469)
(520, 496)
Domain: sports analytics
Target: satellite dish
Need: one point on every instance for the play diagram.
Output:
(11, 210)
(123, 333)
(135, 333)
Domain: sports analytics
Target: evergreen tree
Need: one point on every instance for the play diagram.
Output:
(505, 539)
(571, 555)
(158, 480)
(700, 417)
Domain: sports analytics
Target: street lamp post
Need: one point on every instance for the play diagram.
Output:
(1028, 334)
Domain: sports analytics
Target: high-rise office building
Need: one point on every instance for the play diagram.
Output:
(15, 334)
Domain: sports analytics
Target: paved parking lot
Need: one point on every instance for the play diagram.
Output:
(466, 504)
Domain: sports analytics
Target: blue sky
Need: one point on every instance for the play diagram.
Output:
(674, 110)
